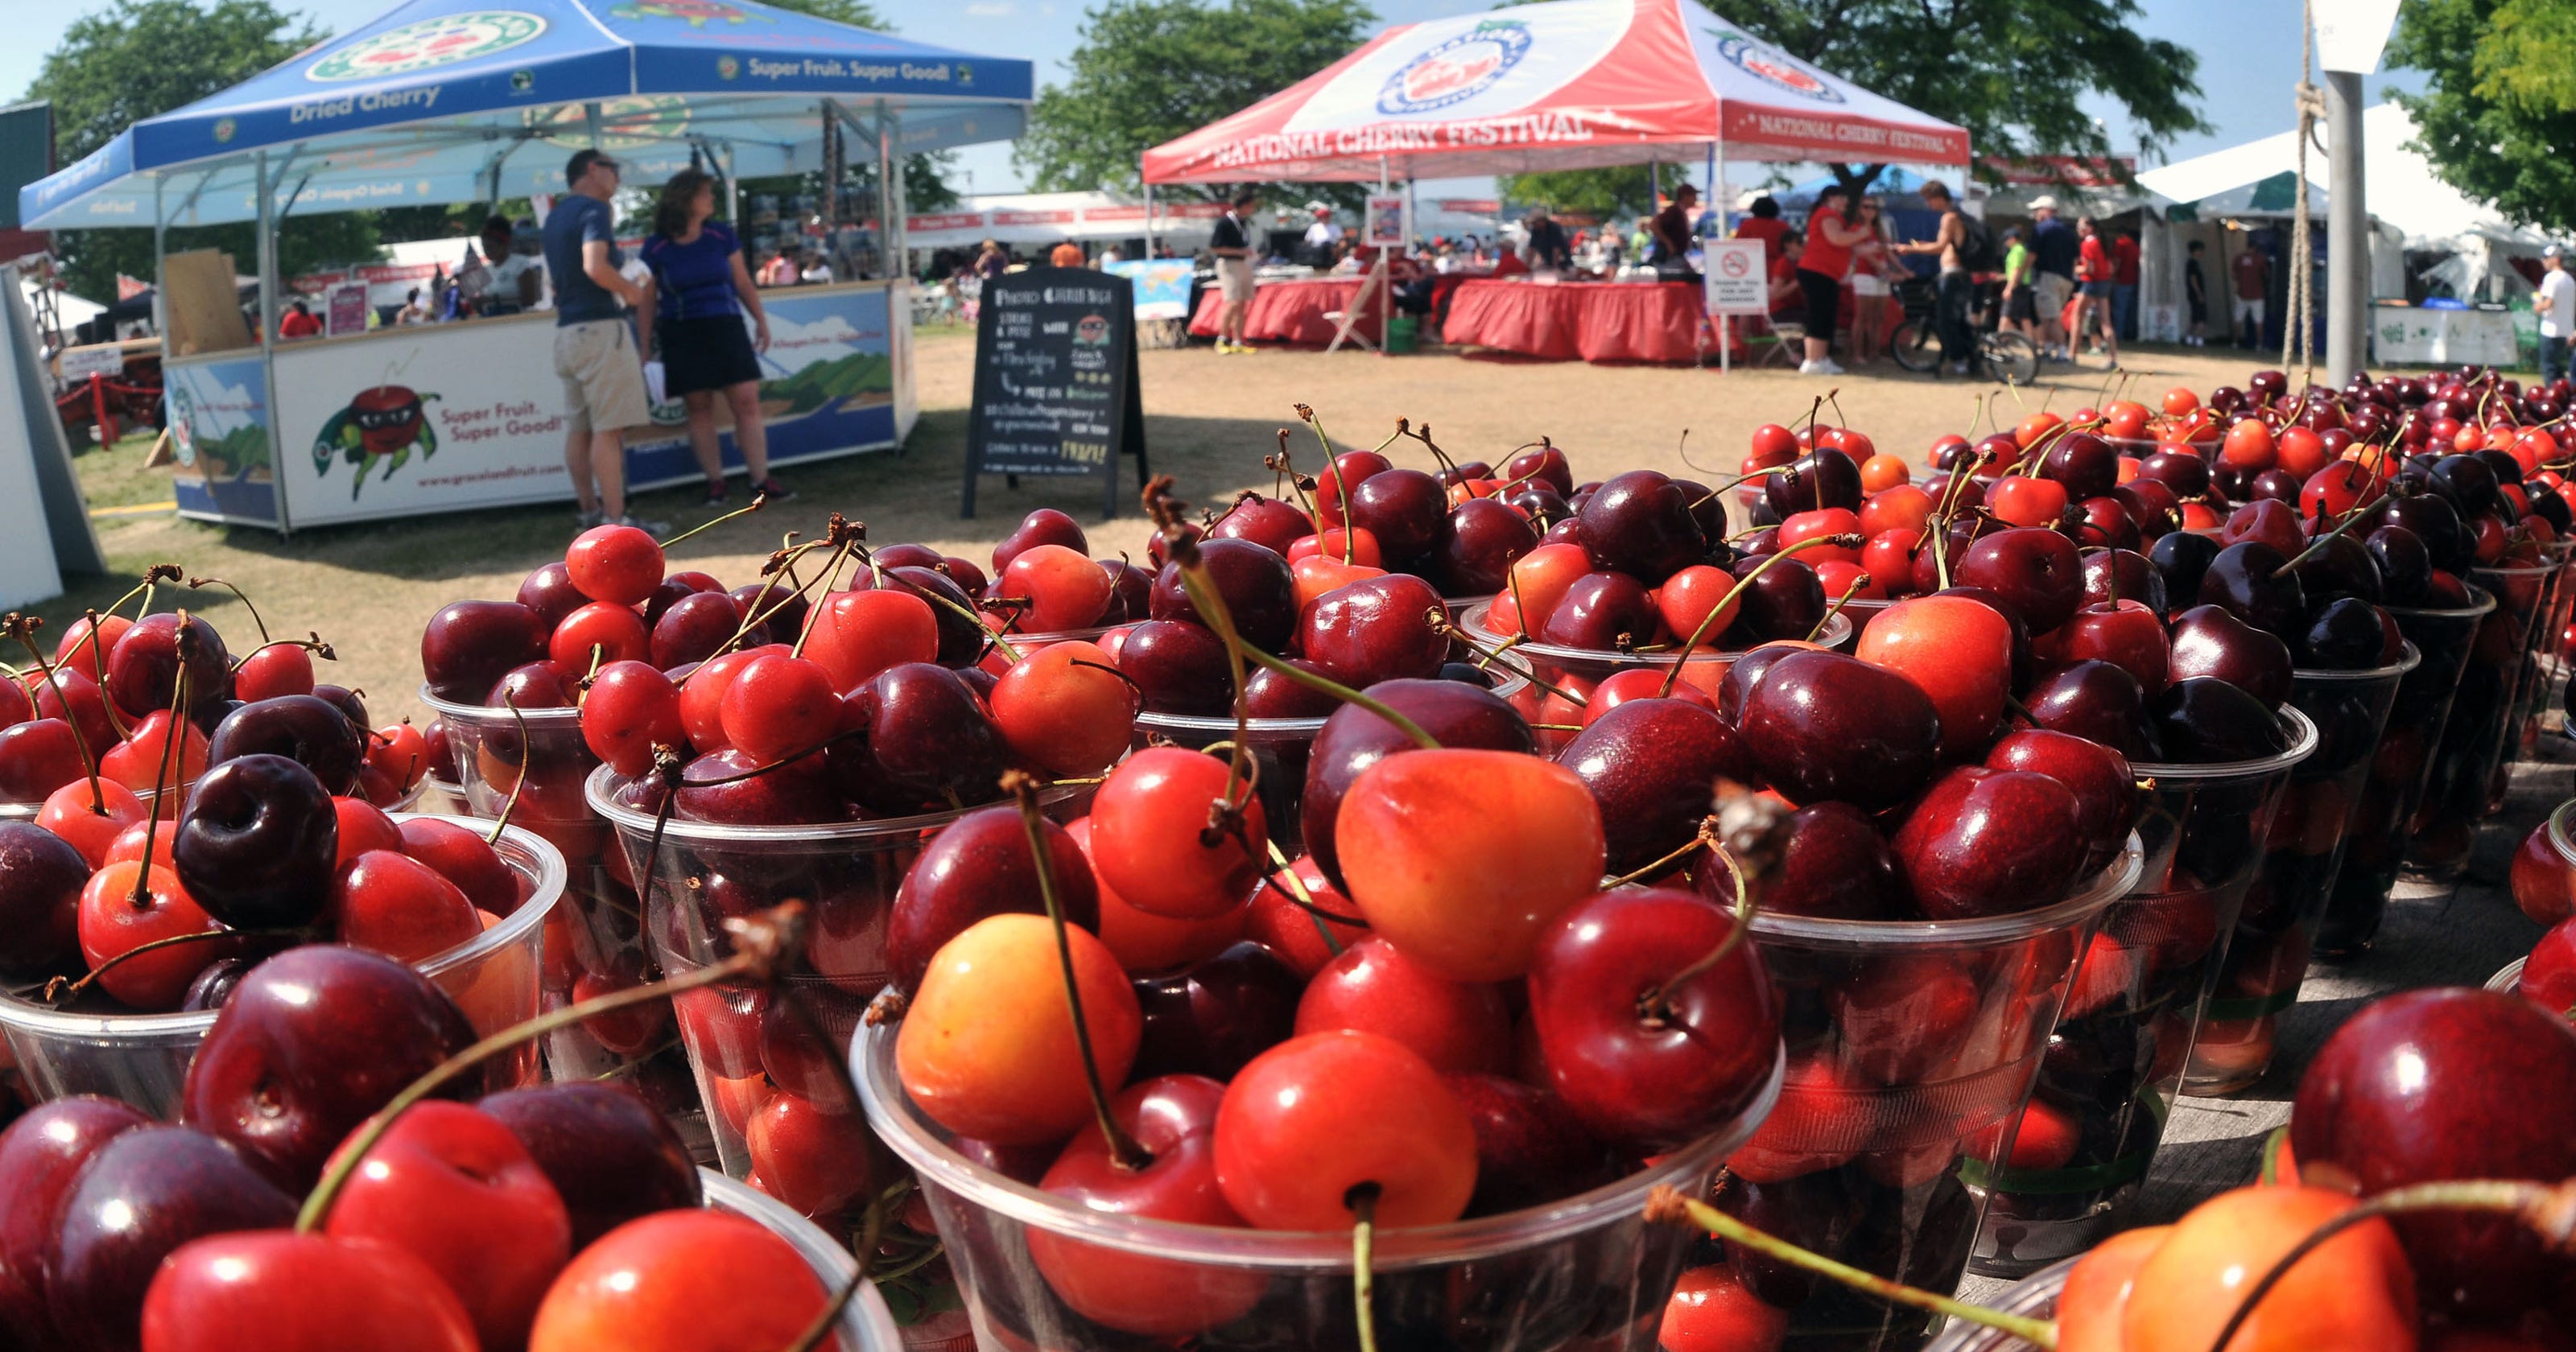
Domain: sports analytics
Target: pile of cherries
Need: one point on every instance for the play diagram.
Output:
(101, 703)
(559, 1218)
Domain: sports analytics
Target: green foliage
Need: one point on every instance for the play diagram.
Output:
(1604, 193)
(1147, 71)
(2499, 108)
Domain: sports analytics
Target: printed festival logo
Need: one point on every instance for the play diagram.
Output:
(382, 425)
(1772, 68)
(1456, 70)
(431, 42)
(699, 13)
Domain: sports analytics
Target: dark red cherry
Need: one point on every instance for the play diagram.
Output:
(1264, 521)
(143, 665)
(1251, 579)
(1824, 726)
(1786, 601)
(1833, 865)
(2085, 463)
(41, 877)
(2251, 581)
(610, 1156)
(1824, 477)
(301, 728)
(979, 866)
(145, 1193)
(1404, 509)
(1477, 546)
(1986, 842)
(1044, 526)
(468, 645)
(2210, 641)
(550, 593)
(2182, 559)
(259, 842)
(1212, 1016)
(2207, 721)
(1179, 667)
(2037, 571)
(1640, 523)
(1375, 629)
(1650, 764)
(1529, 1149)
(2095, 700)
(1604, 611)
(1457, 715)
(41, 1156)
(695, 628)
(2106, 791)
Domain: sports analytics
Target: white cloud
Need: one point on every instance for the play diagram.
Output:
(992, 9)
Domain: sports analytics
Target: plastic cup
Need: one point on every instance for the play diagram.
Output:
(1585, 1272)
(2033, 1297)
(2400, 772)
(1912, 1045)
(2508, 978)
(142, 1059)
(2276, 928)
(1860, 610)
(2483, 718)
(2116, 1059)
(866, 1324)
(2543, 663)
(741, 1039)
(596, 943)
(1576, 671)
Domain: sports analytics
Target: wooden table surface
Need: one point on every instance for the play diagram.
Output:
(2452, 934)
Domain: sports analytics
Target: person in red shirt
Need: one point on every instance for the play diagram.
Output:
(2094, 272)
(2124, 285)
(299, 322)
(1831, 234)
(1787, 301)
(1765, 225)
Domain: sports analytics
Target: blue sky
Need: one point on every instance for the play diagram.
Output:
(2249, 54)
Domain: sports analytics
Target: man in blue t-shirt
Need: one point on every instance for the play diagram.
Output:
(2053, 247)
(595, 353)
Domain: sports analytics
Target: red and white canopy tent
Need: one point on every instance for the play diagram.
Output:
(1571, 84)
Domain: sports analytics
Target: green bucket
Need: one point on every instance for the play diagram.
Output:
(1403, 333)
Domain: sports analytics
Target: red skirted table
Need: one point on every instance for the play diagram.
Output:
(1594, 321)
(1290, 311)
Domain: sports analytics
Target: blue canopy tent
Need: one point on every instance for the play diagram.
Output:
(447, 101)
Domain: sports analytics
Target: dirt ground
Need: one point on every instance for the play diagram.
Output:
(1209, 421)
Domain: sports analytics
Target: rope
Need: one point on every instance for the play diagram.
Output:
(2299, 301)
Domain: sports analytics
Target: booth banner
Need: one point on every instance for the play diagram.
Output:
(445, 417)
(2415, 337)
(219, 432)
(1162, 286)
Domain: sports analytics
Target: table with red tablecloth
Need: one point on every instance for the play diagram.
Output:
(1291, 310)
(1593, 321)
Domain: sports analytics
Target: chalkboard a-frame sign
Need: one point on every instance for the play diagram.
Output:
(1055, 380)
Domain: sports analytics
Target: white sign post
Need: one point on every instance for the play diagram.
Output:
(1735, 282)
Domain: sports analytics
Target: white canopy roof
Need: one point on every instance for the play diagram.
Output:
(2402, 189)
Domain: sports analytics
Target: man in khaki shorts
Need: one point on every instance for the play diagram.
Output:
(1231, 242)
(603, 374)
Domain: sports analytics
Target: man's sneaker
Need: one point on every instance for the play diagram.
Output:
(1956, 368)
(1819, 368)
(656, 529)
(717, 492)
(775, 491)
(587, 517)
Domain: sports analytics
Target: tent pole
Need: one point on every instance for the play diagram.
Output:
(1149, 221)
(733, 190)
(160, 302)
(1717, 196)
(888, 165)
(267, 254)
(2347, 231)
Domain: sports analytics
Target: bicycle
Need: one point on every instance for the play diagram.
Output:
(2001, 355)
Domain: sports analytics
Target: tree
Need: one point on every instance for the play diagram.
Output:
(2499, 108)
(2012, 72)
(1147, 71)
(1602, 193)
(146, 57)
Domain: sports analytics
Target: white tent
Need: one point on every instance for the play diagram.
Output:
(1046, 218)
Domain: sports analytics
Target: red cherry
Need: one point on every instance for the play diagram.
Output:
(1959, 650)
(1064, 589)
(454, 1188)
(463, 858)
(678, 1281)
(277, 1291)
(1902, 1015)
(1374, 987)
(89, 816)
(2549, 974)
(813, 1158)
(114, 921)
(702, 694)
(1711, 1311)
(616, 564)
(75, 650)
(1065, 707)
(1150, 841)
(401, 752)
(274, 669)
(598, 634)
(631, 708)
(1305, 940)
(396, 905)
(137, 762)
(858, 634)
(1174, 1118)
(362, 827)
(1316, 1117)
(780, 706)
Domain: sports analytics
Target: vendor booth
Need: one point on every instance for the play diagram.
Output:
(444, 101)
(1571, 84)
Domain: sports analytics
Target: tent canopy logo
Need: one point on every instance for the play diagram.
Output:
(698, 13)
(431, 42)
(1456, 70)
(1772, 68)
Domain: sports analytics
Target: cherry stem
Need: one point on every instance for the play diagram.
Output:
(98, 660)
(1423, 435)
(312, 643)
(1211, 608)
(1858, 581)
(1125, 1152)
(871, 1231)
(1704, 836)
(527, 750)
(24, 628)
(758, 501)
(183, 643)
(57, 990)
(1666, 1204)
(762, 942)
(814, 613)
(1708, 622)
(1712, 831)
(1341, 482)
(2549, 1209)
(201, 583)
(1438, 618)
(2351, 519)
(1363, 1203)
(1763, 473)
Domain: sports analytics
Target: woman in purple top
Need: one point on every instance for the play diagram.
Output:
(695, 301)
